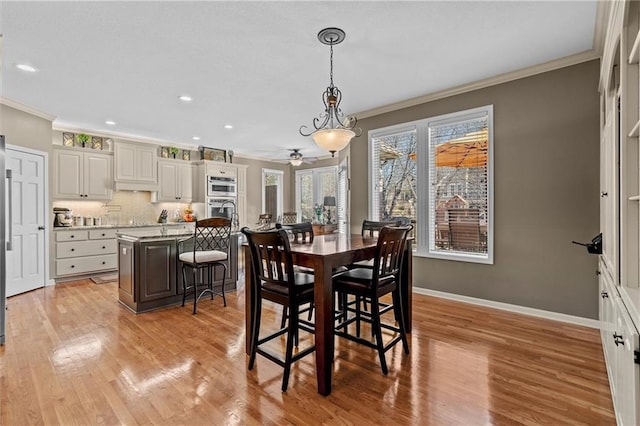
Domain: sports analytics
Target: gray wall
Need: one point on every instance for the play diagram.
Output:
(254, 185)
(546, 147)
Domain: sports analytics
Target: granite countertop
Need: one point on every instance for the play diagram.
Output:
(150, 234)
(126, 226)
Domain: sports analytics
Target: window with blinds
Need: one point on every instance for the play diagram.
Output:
(394, 179)
(438, 172)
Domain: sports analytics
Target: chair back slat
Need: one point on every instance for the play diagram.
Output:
(271, 256)
(372, 228)
(302, 232)
(388, 259)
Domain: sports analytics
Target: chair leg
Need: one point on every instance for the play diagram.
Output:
(224, 277)
(257, 303)
(184, 283)
(283, 321)
(375, 323)
(211, 275)
(358, 300)
(195, 289)
(291, 336)
(311, 308)
(397, 308)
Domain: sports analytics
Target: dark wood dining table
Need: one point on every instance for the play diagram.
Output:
(324, 254)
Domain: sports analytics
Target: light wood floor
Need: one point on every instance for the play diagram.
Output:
(73, 355)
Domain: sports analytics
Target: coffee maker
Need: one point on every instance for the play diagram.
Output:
(62, 217)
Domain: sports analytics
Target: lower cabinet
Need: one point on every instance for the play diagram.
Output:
(85, 251)
(147, 274)
(620, 342)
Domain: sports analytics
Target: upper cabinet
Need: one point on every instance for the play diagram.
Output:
(175, 181)
(136, 166)
(225, 170)
(82, 174)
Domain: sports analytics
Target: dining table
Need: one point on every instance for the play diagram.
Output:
(323, 255)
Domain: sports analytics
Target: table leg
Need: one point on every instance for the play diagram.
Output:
(406, 281)
(323, 294)
(248, 298)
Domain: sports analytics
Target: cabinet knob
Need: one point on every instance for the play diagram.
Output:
(73, 266)
(104, 263)
(604, 193)
(103, 235)
(73, 249)
(103, 247)
(72, 236)
(604, 294)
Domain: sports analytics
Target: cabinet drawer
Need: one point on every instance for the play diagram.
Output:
(71, 235)
(100, 234)
(85, 248)
(80, 265)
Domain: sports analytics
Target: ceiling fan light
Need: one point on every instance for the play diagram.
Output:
(295, 162)
(333, 139)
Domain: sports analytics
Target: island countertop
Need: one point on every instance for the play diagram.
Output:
(153, 234)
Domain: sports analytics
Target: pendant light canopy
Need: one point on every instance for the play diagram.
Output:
(332, 130)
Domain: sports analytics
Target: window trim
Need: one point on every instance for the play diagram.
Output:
(422, 127)
(316, 184)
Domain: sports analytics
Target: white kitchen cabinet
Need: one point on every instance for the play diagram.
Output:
(85, 251)
(82, 174)
(136, 166)
(214, 168)
(175, 182)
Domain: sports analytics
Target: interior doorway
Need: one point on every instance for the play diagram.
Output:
(26, 219)
(272, 193)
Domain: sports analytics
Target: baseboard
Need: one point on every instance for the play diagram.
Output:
(555, 316)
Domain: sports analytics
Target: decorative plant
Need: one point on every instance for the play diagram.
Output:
(83, 138)
(174, 151)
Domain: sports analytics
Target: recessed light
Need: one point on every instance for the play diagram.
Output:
(228, 126)
(185, 98)
(110, 123)
(196, 138)
(27, 68)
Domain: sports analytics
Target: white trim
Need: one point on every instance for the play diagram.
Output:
(603, 8)
(539, 313)
(24, 108)
(567, 61)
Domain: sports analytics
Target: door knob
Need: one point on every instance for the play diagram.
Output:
(40, 228)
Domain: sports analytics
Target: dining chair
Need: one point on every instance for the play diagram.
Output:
(372, 284)
(210, 241)
(276, 281)
(289, 217)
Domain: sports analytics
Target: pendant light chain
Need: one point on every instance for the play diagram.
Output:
(331, 64)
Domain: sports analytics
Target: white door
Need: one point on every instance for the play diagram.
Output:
(26, 259)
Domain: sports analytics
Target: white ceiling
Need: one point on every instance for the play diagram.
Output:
(259, 65)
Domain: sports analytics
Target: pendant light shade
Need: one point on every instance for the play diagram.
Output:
(333, 139)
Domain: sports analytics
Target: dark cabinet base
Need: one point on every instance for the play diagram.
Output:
(150, 275)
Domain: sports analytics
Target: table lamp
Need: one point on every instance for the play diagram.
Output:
(329, 201)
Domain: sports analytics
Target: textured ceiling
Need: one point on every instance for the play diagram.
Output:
(259, 65)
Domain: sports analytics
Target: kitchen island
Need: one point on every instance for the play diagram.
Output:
(149, 272)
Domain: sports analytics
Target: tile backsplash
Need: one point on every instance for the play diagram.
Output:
(124, 208)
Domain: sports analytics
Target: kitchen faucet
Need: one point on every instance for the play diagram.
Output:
(235, 218)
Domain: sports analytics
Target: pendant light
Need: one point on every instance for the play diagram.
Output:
(332, 130)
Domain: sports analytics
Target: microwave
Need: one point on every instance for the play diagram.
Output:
(219, 186)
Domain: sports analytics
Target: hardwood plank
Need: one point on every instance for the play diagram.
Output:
(74, 355)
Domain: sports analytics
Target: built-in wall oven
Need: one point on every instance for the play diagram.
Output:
(219, 186)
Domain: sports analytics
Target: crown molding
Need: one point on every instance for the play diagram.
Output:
(603, 8)
(125, 136)
(24, 108)
(578, 58)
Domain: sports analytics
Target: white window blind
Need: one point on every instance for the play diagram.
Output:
(458, 192)
(393, 175)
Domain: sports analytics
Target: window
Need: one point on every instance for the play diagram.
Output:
(272, 193)
(312, 186)
(438, 172)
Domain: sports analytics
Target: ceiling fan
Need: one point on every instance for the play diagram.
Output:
(295, 158)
